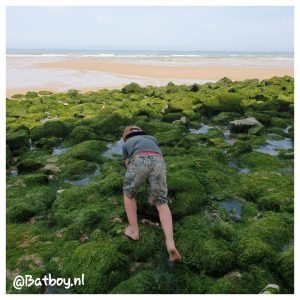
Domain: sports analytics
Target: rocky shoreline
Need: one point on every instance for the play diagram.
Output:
(230, 159)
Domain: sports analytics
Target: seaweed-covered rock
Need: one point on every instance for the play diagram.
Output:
(171, 109)
(49, 129)
(259, 241)
(171, 117)
(22, 205)
(102, 265)
(87, 150)
(279, 122)
(82, 133)
(17, 139)
(31, 94)
(243, 125)
(222, 102)
(285, 266)
(256, 130)
(107, 124)
(211, 238)
(28, 165)
(144, 282)
(240, 147)
(132, 88)
(77, 169)
(48, 143)
(250, 282)
(224, 117)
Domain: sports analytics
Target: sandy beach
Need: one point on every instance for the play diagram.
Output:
(60, 73)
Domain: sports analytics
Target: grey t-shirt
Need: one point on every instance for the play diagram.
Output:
(139, 143)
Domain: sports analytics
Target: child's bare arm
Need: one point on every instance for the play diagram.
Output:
(126, 162)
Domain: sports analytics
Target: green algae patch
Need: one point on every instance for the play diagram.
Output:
(144, 282)
(262, 238)
(250, 282)
(82, 133)
(22, 206)
(214, 254)
(285, 263)
(87, 150)
(18, 139)
(102, 265)
(49, 129)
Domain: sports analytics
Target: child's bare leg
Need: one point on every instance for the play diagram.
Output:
(165, 217)
(132, 230)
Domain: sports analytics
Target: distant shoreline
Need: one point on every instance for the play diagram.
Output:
(87, 73)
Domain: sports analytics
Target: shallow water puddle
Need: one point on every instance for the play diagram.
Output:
(286, 130)
(114, 149)
(32, 146)
(202, 130)
(272, 147)
(59, 151)
(233, 208)
(12, 172)
(227, 138)
(287, 246)
(286, 170)
(84, 180)
(240, 170)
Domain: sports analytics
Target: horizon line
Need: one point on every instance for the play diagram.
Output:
(145, 49)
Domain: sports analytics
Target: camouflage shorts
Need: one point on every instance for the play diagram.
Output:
(150, 168)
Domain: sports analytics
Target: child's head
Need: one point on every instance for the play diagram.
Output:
(131, 131)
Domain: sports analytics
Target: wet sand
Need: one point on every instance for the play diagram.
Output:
(88, 73)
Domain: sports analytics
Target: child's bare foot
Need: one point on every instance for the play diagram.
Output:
(133, 234)
(173, 253)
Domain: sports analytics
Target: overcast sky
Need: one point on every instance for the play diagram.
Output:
(151, 28)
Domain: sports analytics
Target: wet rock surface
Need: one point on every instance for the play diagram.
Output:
(230, 188)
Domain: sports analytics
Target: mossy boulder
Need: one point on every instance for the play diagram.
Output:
(82, 133)
(31, 94)
(211, 238)
(170, 137)
(48, 143)
(144, 282)
(228, 102)
(107, 125)
(250, 282)
(285, 266)
(239, 148)
(256, 130)
(171, 117)
(24, 203)
(223, 118)
(77, 169)
(279, 122)
(102, 265)
(87, 150)
(28, 165)
(132, 88)
(49, 129)
(259, 241)
(17, 139)
(269, 202)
